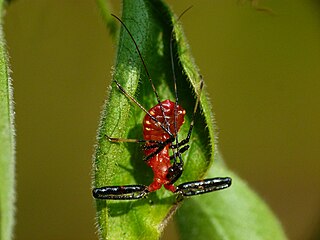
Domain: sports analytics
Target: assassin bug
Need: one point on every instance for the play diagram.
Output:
(160, 132)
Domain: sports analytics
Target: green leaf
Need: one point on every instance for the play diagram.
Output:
(151, 24)
(121, 163)
(7, 144)
(235, 213)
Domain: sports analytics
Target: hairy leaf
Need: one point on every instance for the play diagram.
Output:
(7, 144)
(151, 23)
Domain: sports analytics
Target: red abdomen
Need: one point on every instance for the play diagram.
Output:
(151, 131)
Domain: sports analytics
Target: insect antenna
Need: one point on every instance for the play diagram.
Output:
(148, 75)
(177, 152)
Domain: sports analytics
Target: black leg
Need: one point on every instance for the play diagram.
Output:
(167, 130)
(160, 146)
(130, 140)
(203, 186)
(181, 150)
(128, 192)
(187, 139)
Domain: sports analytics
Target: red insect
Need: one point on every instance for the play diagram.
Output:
(160, 132)
(160, 163)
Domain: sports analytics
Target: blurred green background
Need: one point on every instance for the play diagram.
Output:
(262, 72)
